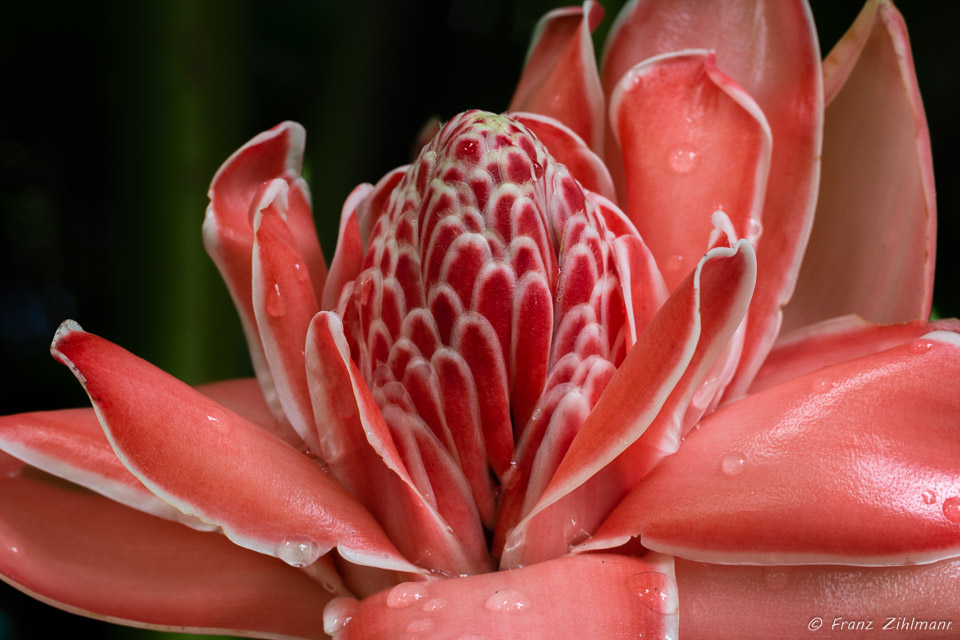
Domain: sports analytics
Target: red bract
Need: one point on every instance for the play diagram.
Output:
(543, 391)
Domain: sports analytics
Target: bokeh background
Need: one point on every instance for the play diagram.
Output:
(116, 115)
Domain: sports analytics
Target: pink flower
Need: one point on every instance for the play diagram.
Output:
(552, 346)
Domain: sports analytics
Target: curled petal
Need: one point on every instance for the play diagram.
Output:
(594, 596)
(560, 78)
(87, 554)
(693, 142)
(211, 463)
(283, 303)
(851, 464)
(348, 258)
(873, 245)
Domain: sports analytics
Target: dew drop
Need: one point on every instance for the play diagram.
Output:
(704, 393)
(675, 262)
(951, 509)
(920, 347)
(419, 625)
(656, 590)
(929, 496)
(776, 579)
(405, 594)
(338, 613)
(732, 463)
(511, 476)
(683, 159)
(299, 552)
(301, 272)
(754, 229)
(276, 305)
(434, 604)
(537, 170)
(507, 601)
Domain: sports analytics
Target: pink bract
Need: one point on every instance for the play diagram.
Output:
(648, 355)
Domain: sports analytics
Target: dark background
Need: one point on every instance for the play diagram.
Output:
(115, 116)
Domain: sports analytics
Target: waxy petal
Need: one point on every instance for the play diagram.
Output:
(348, 258)
(228, 234)
(873, 245)
(693, 142)
(211, 463)
(595, 596)
(283, 303)
(362, 455)
(768, 47)
(86, 554)
(851, 464)
(639, 418)
(70, 444)
(560, 77)
(723, 602)
(835, 341)
(570, 149)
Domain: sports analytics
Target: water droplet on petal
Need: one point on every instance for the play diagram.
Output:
(951, 509)
(405, 594)
(302, 274)
(338, 613)
(776, 579)
(434, 604)
(419, 625)
(929, 496)
(299, 552)
(920, 347)
(732, 463)
(655, 590)
(276, 305)
(704, 393)
(754, 229)
(683, 159)
(507, 601)
(675, 262)
(537, 170)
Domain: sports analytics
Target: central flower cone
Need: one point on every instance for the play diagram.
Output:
(487, 319)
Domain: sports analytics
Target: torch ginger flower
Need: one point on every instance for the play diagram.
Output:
(538, 393)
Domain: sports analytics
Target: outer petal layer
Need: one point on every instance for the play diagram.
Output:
(719, 602)
(851, 464)
(693, 142)
(595, 596)
(873, 243)
(86, 554)
(211, 463)
(560, 78)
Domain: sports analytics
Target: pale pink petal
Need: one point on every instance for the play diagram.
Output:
(873, 246)
(211, 463)
(560, 78)
(768, 47)
(227, 230)
(283, 303)
(639, 418)
(70, 444)
(693, 142)
(852, 464)
(86, 554)
(834, 341)
(722, 602)
(594, 596)
(570, 149)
